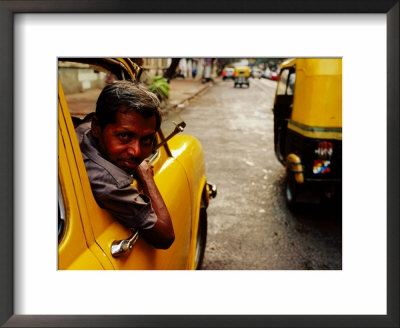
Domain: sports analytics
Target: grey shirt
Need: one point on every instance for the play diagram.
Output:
(111, 186)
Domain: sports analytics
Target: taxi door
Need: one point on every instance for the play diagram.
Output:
(173, 184)
(77, 248)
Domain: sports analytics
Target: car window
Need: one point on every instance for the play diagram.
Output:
(291, 83)
(286, 82)
(282, 83)
(82, 84)
(169, 122)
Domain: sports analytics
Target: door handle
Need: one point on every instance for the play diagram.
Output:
(119, 247)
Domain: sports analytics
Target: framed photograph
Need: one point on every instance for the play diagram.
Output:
(35, 34)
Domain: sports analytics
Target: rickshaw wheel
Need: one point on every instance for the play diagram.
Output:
(291, 190)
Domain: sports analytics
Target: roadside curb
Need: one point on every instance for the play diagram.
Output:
(182, 104)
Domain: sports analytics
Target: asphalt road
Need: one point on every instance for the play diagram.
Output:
(249, 224)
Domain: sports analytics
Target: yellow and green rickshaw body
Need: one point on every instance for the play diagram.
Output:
(241, 75)
(308, 121)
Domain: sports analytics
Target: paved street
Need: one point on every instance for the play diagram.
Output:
(250, 226)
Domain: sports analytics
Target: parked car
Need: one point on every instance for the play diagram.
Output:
(89, 237)
(270, 74)
(227, 73)
(266, 74)
(274, 76)
(256, 73)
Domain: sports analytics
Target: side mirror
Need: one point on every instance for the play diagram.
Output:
(179, 127)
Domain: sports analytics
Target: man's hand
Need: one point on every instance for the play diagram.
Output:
(162, 234)
(145, 171)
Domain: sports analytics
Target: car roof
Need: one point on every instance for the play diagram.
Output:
(118, 66)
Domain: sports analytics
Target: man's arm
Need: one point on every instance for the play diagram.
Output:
(162, 234)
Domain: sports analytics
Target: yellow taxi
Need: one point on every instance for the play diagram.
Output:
(89, 238)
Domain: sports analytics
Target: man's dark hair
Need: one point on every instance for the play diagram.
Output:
(123, 96)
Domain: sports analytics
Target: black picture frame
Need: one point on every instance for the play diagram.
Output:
(7, 196)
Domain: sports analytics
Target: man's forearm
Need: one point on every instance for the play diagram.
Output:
(162, 234)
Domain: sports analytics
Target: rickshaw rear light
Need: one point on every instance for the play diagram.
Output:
(324, 150)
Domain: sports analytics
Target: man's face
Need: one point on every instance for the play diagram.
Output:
(128, 141)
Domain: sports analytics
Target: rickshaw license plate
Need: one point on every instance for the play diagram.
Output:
(321, 167)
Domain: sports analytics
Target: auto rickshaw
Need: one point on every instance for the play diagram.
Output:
(308, 128)
(241, 75)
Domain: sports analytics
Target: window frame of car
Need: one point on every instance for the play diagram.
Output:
(121, 72)
(124, 69)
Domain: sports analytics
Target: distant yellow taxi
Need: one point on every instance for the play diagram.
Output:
(89, 238)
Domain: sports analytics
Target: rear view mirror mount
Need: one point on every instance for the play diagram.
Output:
(179, 127)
